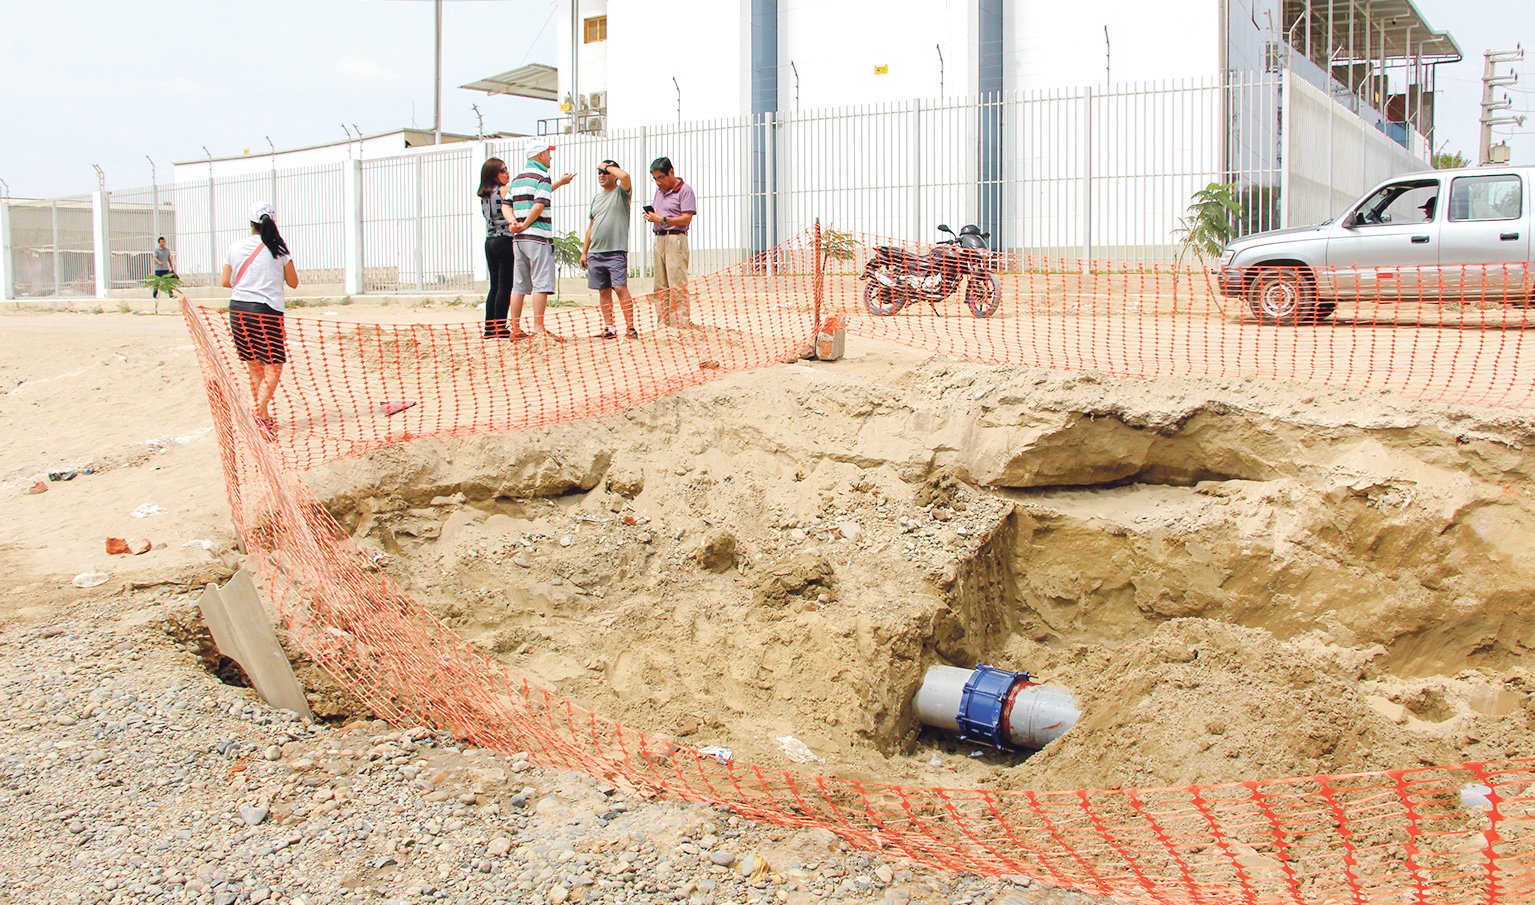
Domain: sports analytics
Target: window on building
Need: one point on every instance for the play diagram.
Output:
(596, 29)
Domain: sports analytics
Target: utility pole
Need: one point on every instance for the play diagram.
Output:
(154, 192)
(1491, 80)
(437, 83)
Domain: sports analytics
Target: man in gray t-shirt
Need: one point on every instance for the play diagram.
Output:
(163, 264)
(605, 253)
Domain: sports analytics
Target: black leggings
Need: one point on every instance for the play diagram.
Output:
(498, 262)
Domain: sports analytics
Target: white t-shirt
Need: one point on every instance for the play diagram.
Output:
(263, 280)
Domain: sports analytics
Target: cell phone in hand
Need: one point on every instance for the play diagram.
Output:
(649, 209)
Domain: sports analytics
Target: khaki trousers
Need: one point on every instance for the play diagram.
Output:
(669, 267)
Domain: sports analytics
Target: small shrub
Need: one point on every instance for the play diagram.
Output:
(567, 251)
(1208, 226)
(167, 283)
(838, 245)
(1210, 223)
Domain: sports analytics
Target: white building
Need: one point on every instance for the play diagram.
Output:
(259, 162)
(1077, 128)
(647, 62)
(1077, 132)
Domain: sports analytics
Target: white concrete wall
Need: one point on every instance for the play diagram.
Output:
(836, 45)
(388, 144)
(1332, 155)
(704, 44)
(1054, 45)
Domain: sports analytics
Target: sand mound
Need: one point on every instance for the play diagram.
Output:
(1237, 580)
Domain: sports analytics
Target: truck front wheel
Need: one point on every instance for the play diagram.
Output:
(1286, 295)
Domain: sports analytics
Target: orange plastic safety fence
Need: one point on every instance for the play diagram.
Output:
(1452, 834)
(1461, 333)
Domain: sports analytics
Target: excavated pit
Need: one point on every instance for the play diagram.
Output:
(1236, 579)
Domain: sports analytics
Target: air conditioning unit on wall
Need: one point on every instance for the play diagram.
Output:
(597, 100)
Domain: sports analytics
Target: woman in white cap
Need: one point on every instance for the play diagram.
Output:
(256, 269)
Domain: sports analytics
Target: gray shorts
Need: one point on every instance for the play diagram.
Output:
(532, 266)
(607, 269)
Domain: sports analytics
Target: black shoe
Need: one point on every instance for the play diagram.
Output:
(632, 333)
(608, 333)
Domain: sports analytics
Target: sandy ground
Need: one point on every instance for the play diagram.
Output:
(1237, 578)
(129, 772)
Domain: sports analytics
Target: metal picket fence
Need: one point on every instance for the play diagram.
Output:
(1092, 174)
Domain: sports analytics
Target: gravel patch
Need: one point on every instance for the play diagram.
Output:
(128, 773)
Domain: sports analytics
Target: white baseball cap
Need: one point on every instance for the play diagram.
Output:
(259, 210)
(536, 147)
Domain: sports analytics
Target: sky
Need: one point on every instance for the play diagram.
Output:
(1479, 26)
(113, 82)
(109, 82)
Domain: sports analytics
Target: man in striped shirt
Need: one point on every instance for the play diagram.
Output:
(532, 236)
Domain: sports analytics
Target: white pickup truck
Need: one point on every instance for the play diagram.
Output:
(1444, 235)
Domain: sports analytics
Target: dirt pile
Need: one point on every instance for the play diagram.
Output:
(1237, 579)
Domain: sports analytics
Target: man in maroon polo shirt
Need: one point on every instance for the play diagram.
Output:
(675, 207)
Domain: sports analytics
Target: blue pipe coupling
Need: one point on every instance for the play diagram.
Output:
(995, 706)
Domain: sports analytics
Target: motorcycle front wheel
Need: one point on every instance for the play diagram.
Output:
(881, 299)
(983, 293)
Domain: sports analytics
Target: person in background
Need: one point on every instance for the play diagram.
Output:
(164, 265)
(674, 209)
(605, 253)
(256, 269)
(533, 236)
(497, 208)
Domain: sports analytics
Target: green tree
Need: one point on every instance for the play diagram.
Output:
(567, 251)
(1449, 160)
(167, 283)
(1206, 228)
(567, 256)
(1209, 224)
(838, 245)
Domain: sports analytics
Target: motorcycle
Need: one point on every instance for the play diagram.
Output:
(897, 277)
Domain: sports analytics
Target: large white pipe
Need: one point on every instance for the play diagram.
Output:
(994, 705)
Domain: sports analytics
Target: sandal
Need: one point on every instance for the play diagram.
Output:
(632, 333)
(608, 332)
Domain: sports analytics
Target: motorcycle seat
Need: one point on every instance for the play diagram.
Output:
(899, 256)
